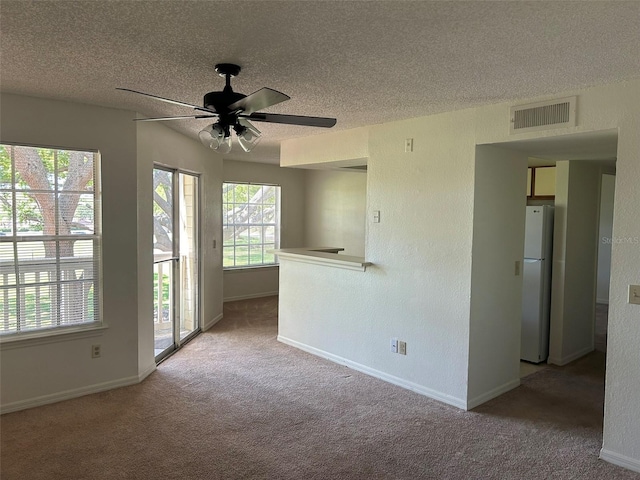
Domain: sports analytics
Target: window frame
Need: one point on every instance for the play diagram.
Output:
(277, 224)
(52, 333)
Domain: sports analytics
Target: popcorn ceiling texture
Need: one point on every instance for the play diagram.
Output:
(364, 62)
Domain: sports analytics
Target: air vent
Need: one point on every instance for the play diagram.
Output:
(559, 113)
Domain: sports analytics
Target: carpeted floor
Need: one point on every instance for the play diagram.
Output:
(236, 404)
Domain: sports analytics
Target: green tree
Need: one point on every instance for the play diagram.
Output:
(36, 169)
(162, 210)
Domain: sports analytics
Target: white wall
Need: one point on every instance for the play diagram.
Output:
(335, 212)
(621, 408)
(571, 329)
(61, 367)
(346, 147)
(607, 192)
(263, 281)
(420, 286)
(40, 373)
(496, 287)
(418, 289)
(615, 106)
(160, 145)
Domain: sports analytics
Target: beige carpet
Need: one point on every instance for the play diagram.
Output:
(236, 404)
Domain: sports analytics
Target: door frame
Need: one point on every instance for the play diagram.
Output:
(176, 265)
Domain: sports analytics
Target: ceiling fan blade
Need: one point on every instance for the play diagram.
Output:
(180, 117)
(292, 119)
(167, 100)
(263, 98)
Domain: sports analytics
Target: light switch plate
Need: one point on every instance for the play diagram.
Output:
(634, 294)
(408, 145)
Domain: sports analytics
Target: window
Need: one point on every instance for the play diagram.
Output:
(49, 239)
(251, 224)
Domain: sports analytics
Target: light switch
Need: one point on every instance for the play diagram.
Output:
(376, 216)
(408, 145)
(634, 294)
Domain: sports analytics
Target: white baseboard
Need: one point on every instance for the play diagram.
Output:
(570, 358)
(485, 397)
(211, 323)
(145, 373)
(620, 460)
(69, 394)
(248, 297)
(427, 392)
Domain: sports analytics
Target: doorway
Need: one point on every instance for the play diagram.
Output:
(176, 286)
(580, 161)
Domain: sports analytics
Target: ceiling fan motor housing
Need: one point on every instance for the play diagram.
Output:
(219, 101)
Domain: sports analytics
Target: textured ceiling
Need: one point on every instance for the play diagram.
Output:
(363, 62)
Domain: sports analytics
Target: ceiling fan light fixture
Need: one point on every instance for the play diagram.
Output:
(225, 145)
(248, 135)
(212, 136)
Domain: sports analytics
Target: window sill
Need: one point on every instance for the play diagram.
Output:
(42, 337)
(248, 268)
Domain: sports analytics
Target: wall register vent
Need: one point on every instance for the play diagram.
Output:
(558, 113)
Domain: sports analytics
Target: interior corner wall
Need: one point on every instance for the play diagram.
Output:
(574, 270)
(335, 213)
(35, 374)
(264, 281)
(335, 147)
(162, 146)
(496, 285)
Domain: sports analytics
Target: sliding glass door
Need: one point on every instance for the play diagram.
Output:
(176, 259)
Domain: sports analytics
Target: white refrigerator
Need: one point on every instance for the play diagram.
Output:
(536, 295)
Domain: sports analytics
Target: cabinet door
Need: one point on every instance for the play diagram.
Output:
(545, 185)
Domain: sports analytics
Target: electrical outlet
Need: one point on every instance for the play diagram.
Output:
(394, 345)
(634, 294)
(402, 348)
(95, 351)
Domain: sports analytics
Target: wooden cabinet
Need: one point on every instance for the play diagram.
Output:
(541, 182)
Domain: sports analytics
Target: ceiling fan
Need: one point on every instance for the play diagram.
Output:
(234, 110)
